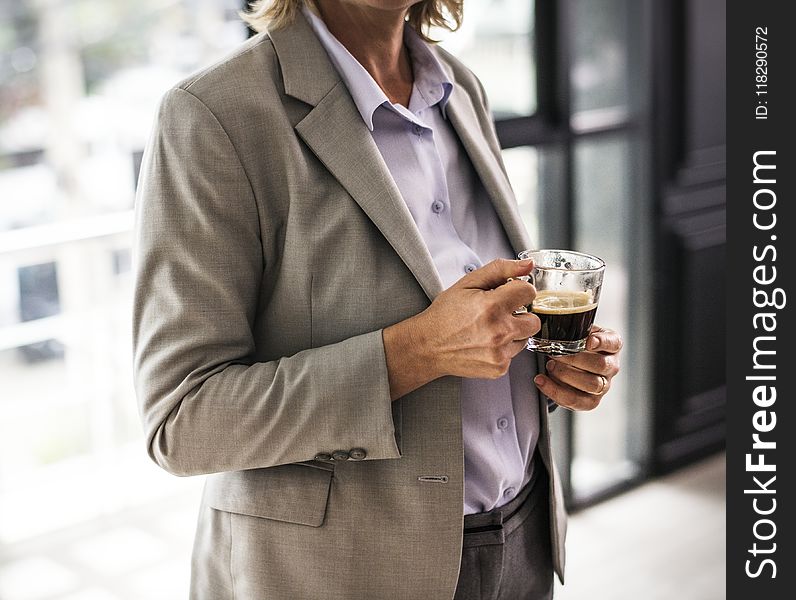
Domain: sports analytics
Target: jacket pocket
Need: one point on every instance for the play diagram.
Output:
(295, 493)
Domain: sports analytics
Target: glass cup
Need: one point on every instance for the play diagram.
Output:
(567, 292)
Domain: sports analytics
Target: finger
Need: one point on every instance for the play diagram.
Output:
(517, 346)
(513, 295)
(592, 362)
(525, 325)
(604, 340)
(565, 395)
(495, 273)
(591, 383)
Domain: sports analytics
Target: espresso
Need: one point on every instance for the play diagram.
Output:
(565, 315)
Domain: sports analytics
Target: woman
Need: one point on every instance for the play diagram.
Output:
(322, 319)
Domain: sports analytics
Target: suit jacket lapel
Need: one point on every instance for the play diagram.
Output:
(335, 132)
(462, 115)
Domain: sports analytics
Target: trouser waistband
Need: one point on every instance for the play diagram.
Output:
(492, 527)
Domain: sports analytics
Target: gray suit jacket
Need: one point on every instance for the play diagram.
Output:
(272, 246)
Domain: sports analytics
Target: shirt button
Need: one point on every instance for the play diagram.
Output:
(438, 206)
(509, 492)
(502, 423)
(470, 267)
(417, 129)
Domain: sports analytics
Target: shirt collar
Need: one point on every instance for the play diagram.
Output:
(432, 82)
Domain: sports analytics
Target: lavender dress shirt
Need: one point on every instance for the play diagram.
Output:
(456, 219)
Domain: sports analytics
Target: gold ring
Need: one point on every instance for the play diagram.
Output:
(604, 382)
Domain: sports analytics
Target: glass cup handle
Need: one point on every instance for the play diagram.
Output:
(529, 279)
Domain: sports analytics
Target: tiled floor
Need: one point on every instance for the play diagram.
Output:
(139, 555)
(664, 540)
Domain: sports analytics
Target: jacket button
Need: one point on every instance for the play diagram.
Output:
(340, 455)
(323, 456)
(357, 454)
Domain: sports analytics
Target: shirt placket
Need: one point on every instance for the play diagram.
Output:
(452, 255)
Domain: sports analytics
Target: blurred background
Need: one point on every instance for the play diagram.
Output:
(611, 114)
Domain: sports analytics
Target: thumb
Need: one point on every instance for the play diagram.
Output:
(495, 273)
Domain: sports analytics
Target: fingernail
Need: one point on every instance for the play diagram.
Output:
(592, 343)
(551, 365)
(539, 380)
(526, 261)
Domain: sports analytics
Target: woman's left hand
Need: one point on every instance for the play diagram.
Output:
(579, 381)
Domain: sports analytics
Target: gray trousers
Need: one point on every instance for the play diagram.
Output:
(506, 553)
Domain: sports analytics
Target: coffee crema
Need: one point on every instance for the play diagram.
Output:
(566, 315)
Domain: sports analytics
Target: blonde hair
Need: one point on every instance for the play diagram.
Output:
(275, 14)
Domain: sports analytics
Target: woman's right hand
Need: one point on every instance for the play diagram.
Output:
(470, 329)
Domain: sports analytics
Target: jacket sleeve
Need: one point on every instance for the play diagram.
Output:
(206, 406)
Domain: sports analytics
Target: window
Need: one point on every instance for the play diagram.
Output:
(79, 84)
(496, 42)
